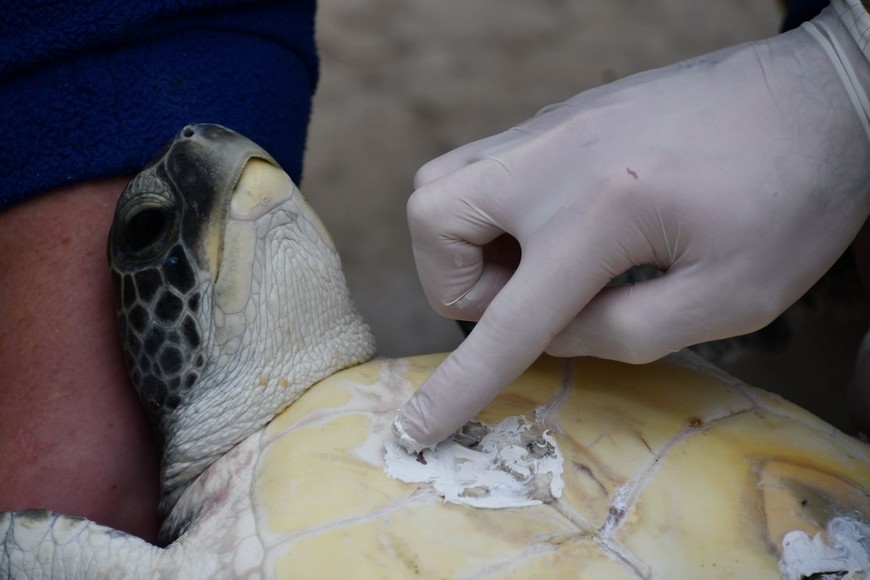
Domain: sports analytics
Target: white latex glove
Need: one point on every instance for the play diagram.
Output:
(743, 174)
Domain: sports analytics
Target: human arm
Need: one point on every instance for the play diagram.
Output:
(89, 92)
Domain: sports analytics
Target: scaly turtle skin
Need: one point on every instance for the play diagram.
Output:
(233, 306)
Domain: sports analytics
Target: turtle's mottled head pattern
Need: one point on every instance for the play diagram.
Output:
(158, 250)
(231, 297)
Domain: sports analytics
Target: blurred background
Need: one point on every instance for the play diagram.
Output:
(403, 81)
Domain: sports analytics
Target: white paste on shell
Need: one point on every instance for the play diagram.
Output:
(846, 551)
(516, 463)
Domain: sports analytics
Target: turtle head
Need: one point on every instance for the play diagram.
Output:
(230, 293)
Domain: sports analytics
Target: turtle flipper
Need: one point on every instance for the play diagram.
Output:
(44, 544)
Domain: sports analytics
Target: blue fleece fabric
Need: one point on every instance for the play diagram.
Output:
(94, 89)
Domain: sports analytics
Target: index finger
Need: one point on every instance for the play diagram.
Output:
(534, 305)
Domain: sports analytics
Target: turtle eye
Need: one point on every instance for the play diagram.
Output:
(146, 227)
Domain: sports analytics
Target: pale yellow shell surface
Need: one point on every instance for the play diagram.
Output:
(672, 470)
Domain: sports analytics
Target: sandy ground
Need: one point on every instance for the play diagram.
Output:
(404, 81)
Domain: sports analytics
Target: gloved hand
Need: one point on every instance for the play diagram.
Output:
(742, 174)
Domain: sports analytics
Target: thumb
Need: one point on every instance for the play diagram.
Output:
(643, 322)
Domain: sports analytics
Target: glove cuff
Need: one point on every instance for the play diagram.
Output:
(856, 18)
(835, 29)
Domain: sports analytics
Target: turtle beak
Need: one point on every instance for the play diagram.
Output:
(261, 188)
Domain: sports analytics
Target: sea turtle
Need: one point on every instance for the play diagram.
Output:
(278, 456)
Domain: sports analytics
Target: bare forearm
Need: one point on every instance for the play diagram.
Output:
(72, 435)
